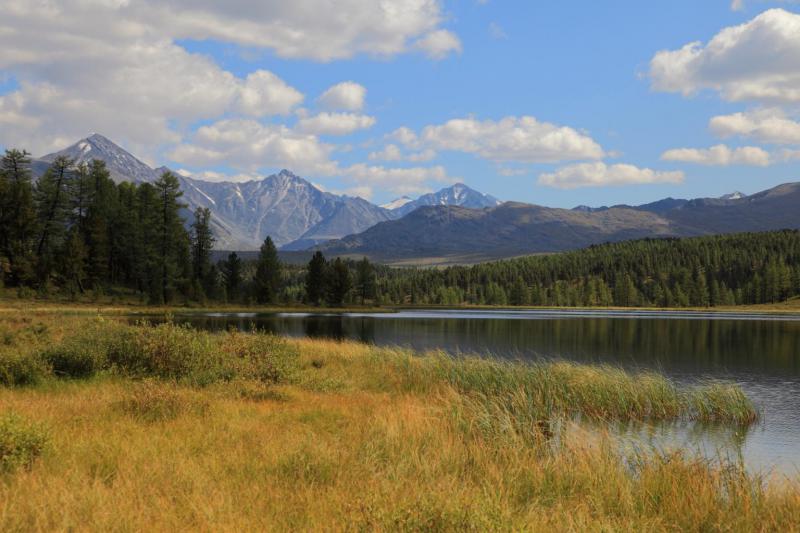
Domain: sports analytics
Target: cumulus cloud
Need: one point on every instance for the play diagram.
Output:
(347, 95)
(765, 125)
(263, 93)
(334, 123)
(115, 66)
(757, 61)
(399, 181)
(392, 152)
(249, 145)
(520, 139)
(599, 174)
(439, 44)
(719, 155)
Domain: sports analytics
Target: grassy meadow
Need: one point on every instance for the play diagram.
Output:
(111, 427)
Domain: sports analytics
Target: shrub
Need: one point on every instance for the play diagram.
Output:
(154, 402)
(260, 356)
(17, 368)
(20, 443)
(170, 351)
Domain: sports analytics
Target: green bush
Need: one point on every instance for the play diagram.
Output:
(260, 356)
(21, 443)
(170, 351)
(17, 368)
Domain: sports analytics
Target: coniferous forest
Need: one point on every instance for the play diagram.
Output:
(76, 232)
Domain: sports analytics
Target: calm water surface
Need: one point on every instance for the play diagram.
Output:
(759, 352)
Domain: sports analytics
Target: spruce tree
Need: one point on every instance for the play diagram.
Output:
(172, 241)
(316, 281)
(202, 242)
(17, 216)
(366, 283)
(232, 276)
(339, 282)
(52, 199)
(268, 273)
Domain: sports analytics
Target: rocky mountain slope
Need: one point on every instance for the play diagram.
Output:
(458, 195)
(440, 233)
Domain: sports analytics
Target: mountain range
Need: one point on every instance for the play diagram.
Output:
(455, 224)
(294, 212)
(447, 234)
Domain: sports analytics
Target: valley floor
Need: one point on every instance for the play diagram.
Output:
(170, 429)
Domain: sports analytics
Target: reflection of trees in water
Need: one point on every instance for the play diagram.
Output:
(681, 345)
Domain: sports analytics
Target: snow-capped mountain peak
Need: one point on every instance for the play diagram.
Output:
(121, 164)
(397, 203)
(736, 195)
(457, 194)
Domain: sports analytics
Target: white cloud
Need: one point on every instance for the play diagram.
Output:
(250, 145)
(758, 60)
(311, 29)
(405, 136)
(263, 93)
(392, 152)
(719, 155)
(521, 139)
(113, 66)
(335, 123)
(737, 5)
(765, 125)
(439, 44)
(599, 174)
(398, 180)
(347, 95)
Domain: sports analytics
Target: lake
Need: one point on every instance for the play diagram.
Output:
(760, 352)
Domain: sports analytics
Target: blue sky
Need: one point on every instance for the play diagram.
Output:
(556, 103)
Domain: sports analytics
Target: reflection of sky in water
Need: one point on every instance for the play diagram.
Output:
(759, 352)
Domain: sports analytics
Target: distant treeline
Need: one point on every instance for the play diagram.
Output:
(747, 268)
(74, 231)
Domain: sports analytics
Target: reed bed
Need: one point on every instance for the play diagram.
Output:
(276, 434)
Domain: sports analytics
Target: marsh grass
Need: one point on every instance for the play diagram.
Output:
(353, 437)
(152, 401)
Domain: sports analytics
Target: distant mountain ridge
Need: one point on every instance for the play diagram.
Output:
(457, 195)
(295, 213)
(447, 233)
(454, 222)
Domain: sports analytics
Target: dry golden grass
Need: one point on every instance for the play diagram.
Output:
(356, 441)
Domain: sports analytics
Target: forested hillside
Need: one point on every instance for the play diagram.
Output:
(747, 268)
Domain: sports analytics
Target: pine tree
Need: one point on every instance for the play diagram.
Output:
(339, 282)
(105, 219)
(268, 273)
(73, 262)
(232, 276)
(52, 200)
(172, 239)
(202, 243)
(366, 283)
(316, 278)
(17, 216)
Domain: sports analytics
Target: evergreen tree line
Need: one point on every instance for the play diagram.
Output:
(739, 269)
(77, 231)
